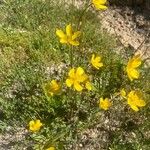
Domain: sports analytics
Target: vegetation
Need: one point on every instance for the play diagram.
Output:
(59, 84)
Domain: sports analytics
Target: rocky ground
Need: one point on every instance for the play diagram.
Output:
(14, 139)
(131, 26)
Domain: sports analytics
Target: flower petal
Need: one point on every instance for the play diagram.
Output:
(60, 33)
(72, 73)
(31, 123)
(104, 103)
(69, 30)
(79, 71)
(103, 7)
(51, 148)
(76, 34)
(88, 86)
(93, 57)
(74, 43)
(69, 82)
(135, 108)
(134, 73)
(78, 87)
(136, 61)
(99, 65)
(99, 1)
(140, 103)
(98, 58)
(63, 40)
(123, 93)
(102, 1)
(38, 123)
(129, 76)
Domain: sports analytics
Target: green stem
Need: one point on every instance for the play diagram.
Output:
(81, 16)
(99, 84)
(71, 56)
(73, 98)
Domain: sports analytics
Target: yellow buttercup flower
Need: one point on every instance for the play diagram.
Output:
(104, 103)
(35, 125)
(69, 37)
(78, 79)
(134, 100)
(96, 61)
(52, 87)
(131, 68)
(51, 148)
(100, 4)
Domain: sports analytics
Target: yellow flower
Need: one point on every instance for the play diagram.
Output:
(104, 103)
(135, 101)
(78, 79)
(52, 87)
(123, 93)
(95, 61)
(35, 125)
(133, 63)
(50, 148)
(100, 4)
(69, 37)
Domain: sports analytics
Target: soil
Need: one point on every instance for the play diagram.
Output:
(14, 138)
(131, 26)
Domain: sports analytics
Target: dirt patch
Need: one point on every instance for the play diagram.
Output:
(130, 26)
(13, 139)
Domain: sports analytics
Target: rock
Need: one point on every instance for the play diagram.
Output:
(130, 26)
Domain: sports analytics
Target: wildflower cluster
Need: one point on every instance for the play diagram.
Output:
(134, 99)
(77, 80)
